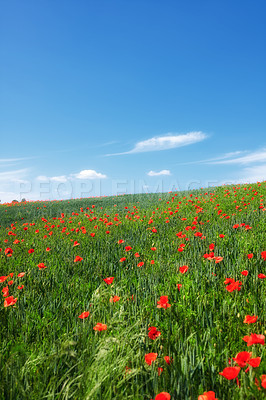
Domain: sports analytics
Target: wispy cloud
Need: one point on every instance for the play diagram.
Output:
(9, 160)
(5, 160)
(14, 175)
(166, 142)
(214, 159)
(160, 173)
(252, 157)
(237, 157)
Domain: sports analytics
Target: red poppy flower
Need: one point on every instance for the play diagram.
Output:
(211, 246)
(163, 302)
(114, 299)
(163, 396)
(254, 339)
(245, 272)
(78, 258)
(168, 360)
(120, 241)
(109, 280)
(207, 396)
(230, 372)
(250, 319)
(140, 264)
(5, 291)
(30, 251)
(92, 234)
(8, 252)
(76, 243)
(263, 255)
(263, 381)
(160, 370)
(21, 287)
(233, 285)
(179, 285)
(183, 269)
(261, 276)
(153, 333)
(153, 248)
(250, 256)
(83, 315)
(127, 248)
(41, 266)
(100, 327)
(221, 236)
(150, 357)
(21, 274)
(254, 362)
(242, 358)
(209, 256)
(122, 259)
(10, 301)
(3, 278)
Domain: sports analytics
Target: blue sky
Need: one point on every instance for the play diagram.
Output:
(111, 97)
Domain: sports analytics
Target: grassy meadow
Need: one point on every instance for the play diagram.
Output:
(182, 313)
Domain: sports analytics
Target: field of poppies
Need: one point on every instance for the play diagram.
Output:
(145, 296)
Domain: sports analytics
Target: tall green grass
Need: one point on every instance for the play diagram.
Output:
(47, 352)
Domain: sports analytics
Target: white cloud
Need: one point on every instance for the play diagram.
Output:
(42, 178)
(162, 172)
(89, 174)
(61, 178)
(84, 174)
(169, 141)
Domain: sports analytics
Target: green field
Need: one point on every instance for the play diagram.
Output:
(149, 244)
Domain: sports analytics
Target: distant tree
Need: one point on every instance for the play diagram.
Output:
(23, 200)
(14, 201)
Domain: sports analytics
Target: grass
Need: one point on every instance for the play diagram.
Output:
(48, 352)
